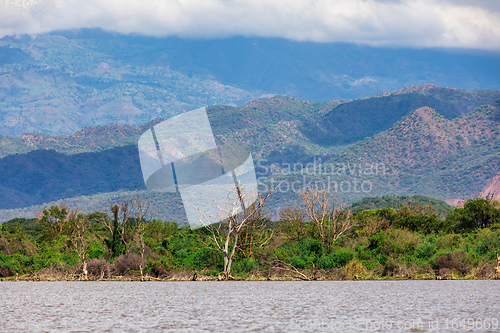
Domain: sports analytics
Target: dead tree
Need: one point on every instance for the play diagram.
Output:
(79, 225)
(292, 223)
(128, 220)
(497, 269)
(226, 234)
(331, 221)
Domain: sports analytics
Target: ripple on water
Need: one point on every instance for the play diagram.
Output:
(243, 306)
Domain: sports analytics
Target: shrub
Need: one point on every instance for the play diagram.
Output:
(355, 269)
(96, 251)
(311, 246)
(156, 269)
(425, 250)
(127, 262)
(99, 268)
(336, 259)
(377, 242)
(245, 265)
(298, 262)
(206, 257)
(5, 271)
(453, 261)
(402, 241)
(450, 241)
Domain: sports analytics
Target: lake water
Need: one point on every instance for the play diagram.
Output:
(325, 306)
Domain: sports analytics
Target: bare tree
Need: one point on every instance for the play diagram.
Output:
(226, 234)
(497, 268)
(292, 222)
(139, 209)
(331, 221)
(79, 225)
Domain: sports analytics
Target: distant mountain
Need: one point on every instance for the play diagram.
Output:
(280, 128)
(427, 154)
(61, 82)
(424, 152)
(353, 121)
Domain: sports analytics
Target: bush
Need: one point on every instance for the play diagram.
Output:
(311, 246)
(355, 269)
(336, 259)
(455, 261)
(245, 265)
(450, 241)
(486, 242)
(425, 250)
(206, 257)
(127, 262)
(96, 251)
(156, 269)
(5, 271)
(298, 262)
(402, 241)
(99, 268)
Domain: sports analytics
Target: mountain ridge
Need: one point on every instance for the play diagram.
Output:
(60, 82)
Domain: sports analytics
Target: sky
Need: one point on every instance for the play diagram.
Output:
(473, 24)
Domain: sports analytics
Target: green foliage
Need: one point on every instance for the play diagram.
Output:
(424, 219)
(96, 251)
(206, 257)
(53, 221)
(388, 201)
(336, 259)
(245, 265)
(398, 242)
(475, 213)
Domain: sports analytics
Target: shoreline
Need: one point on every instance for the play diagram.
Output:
(201, 278)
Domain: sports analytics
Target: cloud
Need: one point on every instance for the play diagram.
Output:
(408, 23)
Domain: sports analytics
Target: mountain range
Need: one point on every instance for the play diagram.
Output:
(61, 82)
(427, 140)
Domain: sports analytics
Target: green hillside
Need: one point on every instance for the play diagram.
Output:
(422, 154)
(427, 154)
(350, 122)
(388, 201)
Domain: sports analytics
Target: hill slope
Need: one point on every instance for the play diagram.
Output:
(427, 154)
(61, 82)
(423, 153)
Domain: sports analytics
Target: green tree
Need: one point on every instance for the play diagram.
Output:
(52, 221)
(475, 213)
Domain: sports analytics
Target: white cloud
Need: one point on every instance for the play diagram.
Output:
(414, 23)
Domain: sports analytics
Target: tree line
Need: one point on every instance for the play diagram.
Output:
(320, 239)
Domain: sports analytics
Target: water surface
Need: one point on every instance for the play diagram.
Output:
(329, 306)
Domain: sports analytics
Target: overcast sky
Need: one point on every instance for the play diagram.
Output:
(414, 23)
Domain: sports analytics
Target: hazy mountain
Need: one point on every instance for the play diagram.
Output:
(61, 82)
(443, 156)
(427, 154)
(350, 122)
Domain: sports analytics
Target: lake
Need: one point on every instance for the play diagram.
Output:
(291, 306)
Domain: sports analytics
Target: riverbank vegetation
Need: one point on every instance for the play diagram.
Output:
(317, 241)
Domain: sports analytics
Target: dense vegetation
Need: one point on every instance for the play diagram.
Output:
(389, 201)
(411, 241)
